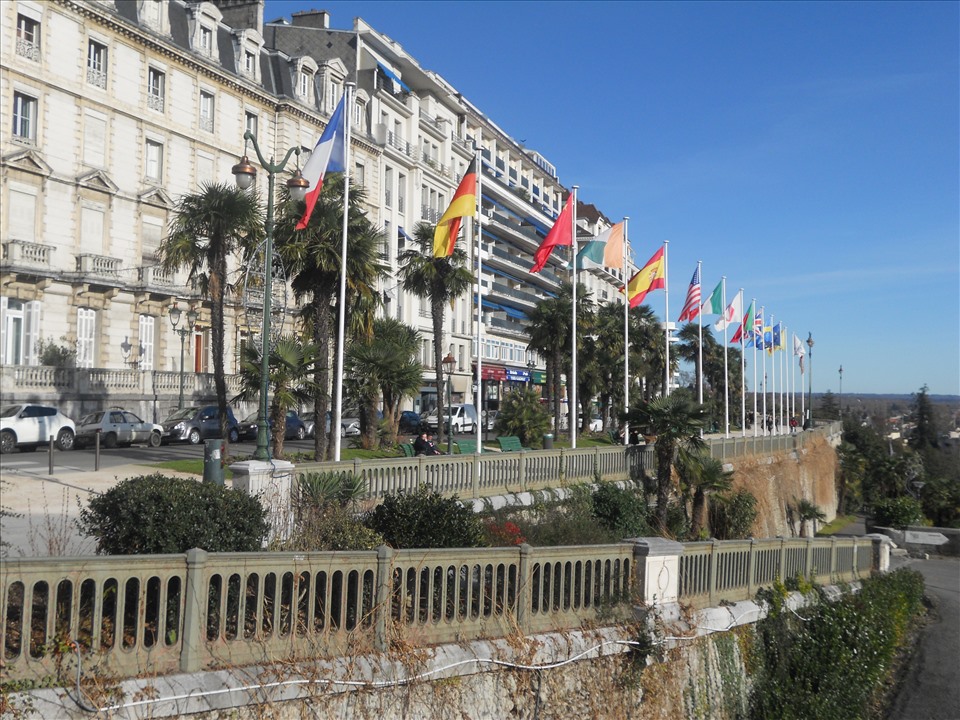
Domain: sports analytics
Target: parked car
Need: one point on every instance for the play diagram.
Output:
(28, 426)
(117, 427)
(409, 423)
(296, 429)
(348, 425)
(464, 419)
(194, 424)
(491, 419)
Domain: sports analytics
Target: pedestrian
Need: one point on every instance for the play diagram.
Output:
(424, 445)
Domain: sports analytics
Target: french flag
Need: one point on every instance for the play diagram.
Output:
(328, 156)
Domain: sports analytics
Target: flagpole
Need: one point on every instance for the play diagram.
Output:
(803, 401)
(763, 360)
(783, 380)
(626, 333)
(342, 315)
(726, 389)
(743, 370)
(755, 386)
(773, 378)
(666, 318)
(477, 241)
(572, 381)
(699, 349)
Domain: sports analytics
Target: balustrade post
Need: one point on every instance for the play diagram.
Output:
(383, 608)
(657, 564)
(808, 560)
(475, 475)
(752, 567)
(523, 471)
(194, 603)
(783, 560)
(524, 578)
(714, 570)
(836, 573)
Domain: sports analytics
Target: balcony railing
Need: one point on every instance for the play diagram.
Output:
(28, 49)
(97, 78)
(155, 102)
(99, 265)
(23, 254)
(206, 123)
(398, 143)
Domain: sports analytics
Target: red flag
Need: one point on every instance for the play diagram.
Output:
(560, 234)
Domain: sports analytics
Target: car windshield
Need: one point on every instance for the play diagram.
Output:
(183, 414)
(10, 410)
(90, 419)
(252, 417)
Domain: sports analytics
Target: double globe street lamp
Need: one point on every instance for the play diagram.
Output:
(246, 173)
(175, 314)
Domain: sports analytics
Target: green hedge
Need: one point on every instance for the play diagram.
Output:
(828, 661)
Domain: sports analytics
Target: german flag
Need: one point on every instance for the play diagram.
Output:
(464, 204)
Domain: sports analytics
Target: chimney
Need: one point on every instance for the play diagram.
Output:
(242, 14)
(319, 19)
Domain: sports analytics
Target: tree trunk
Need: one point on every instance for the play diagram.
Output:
(321, 375)
(697, 513)
(217, 273)
(436, 308)
(664, 481)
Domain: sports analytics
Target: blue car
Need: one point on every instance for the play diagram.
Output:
(295, 427)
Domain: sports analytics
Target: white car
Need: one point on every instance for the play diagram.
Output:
(30, 426)
(464, 419)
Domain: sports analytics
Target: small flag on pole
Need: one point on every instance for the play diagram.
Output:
(650, 277)
(714, 303)
(691, 307)
(328, 156)
(560, 234)
(730, 314)
(464, 204)
(605, 249)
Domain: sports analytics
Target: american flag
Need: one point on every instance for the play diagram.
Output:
(691, 307)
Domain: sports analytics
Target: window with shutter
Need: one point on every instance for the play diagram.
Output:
(146, 335)
(22, 215)
(86, 334)
(94, 140)
(31, 333)
(91, 229)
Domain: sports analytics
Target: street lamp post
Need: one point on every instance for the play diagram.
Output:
(810, 380)
(448, 364)
(841, 392)
(182, 332)
(245, 174)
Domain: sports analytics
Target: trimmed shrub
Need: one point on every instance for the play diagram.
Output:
(153, 514)
(732, 516)
(898, 512)
(522, 414)
(331, 527)
(425, 519)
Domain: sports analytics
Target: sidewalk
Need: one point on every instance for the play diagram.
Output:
(47, 507)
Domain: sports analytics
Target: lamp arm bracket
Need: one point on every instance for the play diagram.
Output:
(270, 167)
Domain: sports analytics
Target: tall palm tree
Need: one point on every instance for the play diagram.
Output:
(387, 364)
(313, 256)
(808, 511)
(438, 279)
(207, 228)
(675, 420)
(290, 363)
(647, 350)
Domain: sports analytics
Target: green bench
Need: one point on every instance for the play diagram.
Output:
(510, 443)
(467, 447)
(407, 449)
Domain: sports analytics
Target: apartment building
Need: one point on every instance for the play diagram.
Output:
(113, 109)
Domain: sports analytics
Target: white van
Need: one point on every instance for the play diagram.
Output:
(464, 419)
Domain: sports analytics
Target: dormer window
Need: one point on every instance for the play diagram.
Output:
(304, 71)
(249, 43)
(249, 63)
(303, 85)
(151, 15)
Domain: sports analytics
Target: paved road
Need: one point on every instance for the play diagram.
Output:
(931, 689)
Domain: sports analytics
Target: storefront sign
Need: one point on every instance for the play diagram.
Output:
(518, 375)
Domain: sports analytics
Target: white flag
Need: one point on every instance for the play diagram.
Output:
(733, 314)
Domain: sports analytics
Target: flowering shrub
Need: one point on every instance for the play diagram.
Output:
(505, 534)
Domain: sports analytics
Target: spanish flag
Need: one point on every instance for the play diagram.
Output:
(464, 204)
(649, 277)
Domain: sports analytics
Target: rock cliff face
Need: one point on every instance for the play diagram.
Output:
(778, 480)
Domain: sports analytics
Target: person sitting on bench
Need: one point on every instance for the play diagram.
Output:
(423, 445)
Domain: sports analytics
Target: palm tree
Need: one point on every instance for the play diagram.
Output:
(438, 279)
(608, 328)
(675, 421)
(207, 228)
(703, 475)
(290, 363)
(386, 363)
(806, 510)
(313, 256)
(647, 349)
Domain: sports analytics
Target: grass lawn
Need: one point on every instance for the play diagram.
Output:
(838, 523)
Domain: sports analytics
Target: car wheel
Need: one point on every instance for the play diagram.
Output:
(343, 431)
(301, 433)
(233, 436)
(154, 440)
(65, 439)
(8, 441)
(110, 440)
(194, 437)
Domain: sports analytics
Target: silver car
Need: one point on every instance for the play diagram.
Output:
(117, 427)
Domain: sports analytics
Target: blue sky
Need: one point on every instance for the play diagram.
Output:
(808, 151)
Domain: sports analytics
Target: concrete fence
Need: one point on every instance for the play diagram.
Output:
(197, 611)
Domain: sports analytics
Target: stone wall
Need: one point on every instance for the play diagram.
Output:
(778, 480)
